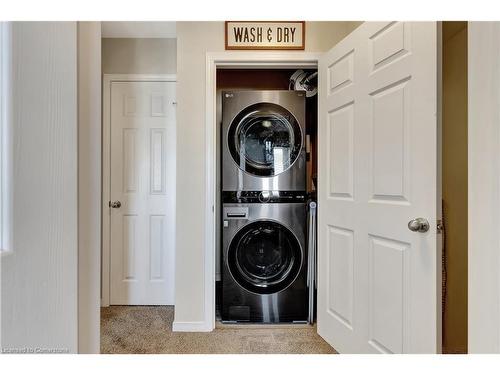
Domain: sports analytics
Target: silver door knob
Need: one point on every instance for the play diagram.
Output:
(115, 204)
(418, 225)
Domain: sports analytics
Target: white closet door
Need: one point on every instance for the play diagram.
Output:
(143, 181)
(379, 282)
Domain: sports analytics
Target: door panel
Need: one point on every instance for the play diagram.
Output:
(143, 180)
(340, 279)
(378, 281)
(388, 280)
(341, 140)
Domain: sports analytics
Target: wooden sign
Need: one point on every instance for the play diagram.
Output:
(255, 35)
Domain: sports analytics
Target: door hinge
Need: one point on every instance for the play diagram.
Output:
(440, 226)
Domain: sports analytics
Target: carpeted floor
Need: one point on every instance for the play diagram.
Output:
(148, 329)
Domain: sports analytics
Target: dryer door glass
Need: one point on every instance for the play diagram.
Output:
(264, 257)
(264, 139)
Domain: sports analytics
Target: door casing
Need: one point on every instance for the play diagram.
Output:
(240, 60)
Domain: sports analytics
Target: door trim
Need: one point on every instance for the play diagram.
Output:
(233, 59)
(107, 80)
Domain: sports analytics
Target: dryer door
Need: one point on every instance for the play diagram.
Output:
(264, 257)
(264, 139)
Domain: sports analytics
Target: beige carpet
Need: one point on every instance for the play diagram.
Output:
(148, 329)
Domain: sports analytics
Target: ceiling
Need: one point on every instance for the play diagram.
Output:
(138, 29)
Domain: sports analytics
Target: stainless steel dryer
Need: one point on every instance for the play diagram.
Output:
(264, 270)
(263, 135)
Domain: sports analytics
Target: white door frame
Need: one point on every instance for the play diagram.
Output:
(233, 59)
(108, 79)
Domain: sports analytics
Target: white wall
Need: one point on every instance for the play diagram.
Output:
(89, 181)
(194, 39)
(39, 279)
(139, 55)
(484, 187)
(138, 29)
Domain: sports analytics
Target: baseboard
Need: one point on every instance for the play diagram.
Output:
(191, 327)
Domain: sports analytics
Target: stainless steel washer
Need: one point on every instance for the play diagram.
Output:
(263, 136)
(264, 270)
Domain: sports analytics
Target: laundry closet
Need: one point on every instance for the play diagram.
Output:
(267, 125)
(344, 144)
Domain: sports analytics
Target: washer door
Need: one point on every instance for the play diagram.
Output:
(264, 257)
(264, 139)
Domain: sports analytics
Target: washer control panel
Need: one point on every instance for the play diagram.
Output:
(264, 196)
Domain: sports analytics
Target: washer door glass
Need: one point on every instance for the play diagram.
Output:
(264, 139)
(264, 257)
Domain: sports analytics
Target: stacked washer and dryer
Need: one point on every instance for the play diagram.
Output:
(264, 207)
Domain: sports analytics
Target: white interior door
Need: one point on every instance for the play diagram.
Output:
(143, 181)
(379, 282)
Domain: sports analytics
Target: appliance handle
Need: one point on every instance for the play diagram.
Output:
(242, 215)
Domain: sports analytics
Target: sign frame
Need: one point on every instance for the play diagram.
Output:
(255, 48)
